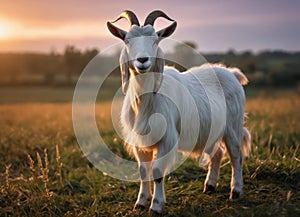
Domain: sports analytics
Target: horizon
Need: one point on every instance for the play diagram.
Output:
(84, 49)
(216, 27)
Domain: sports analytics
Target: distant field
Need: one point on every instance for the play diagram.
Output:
(53, 94)
(62, 94)
(44, 173)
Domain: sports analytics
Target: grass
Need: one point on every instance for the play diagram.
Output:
(44, 173)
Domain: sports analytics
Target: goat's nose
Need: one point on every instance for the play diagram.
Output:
(143, 59)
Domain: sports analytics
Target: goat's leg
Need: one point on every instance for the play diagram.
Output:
(165, 160)
(233, 145)
(213, 172)
(145, 162)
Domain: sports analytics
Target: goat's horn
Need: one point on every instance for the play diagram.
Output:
(130, 16)
(150, 19)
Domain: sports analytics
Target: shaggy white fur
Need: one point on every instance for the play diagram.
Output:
(200, 111)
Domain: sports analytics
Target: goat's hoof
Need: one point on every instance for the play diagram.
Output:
(209, 189)
(154, 213)
(235, 195)
(139, 206)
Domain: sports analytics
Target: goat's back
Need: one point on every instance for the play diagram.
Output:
(220, 99)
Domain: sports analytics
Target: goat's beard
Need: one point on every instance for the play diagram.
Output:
(149, 82)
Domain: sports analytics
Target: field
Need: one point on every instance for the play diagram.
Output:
(43, 171)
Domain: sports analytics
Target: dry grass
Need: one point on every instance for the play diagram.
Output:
(44, 173)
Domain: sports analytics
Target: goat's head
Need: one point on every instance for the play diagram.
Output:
(141, 53)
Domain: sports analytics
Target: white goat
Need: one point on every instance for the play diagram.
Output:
(153, 144)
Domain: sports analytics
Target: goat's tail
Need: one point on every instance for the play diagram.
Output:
(239, 75)
(246, 147)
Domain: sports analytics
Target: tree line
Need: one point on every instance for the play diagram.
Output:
(265, 68)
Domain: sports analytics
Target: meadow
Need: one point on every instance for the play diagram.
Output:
(43, 171)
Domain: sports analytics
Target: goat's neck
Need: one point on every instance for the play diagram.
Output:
(141, 90)
(142, 106)
(140, 103)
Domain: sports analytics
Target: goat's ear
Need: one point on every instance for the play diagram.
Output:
(166, 32)
(116, 31)
(124, 67)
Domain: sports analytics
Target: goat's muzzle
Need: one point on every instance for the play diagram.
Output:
(143, 64)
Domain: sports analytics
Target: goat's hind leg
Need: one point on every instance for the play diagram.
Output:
(233, 145)
(145, 163)
(213, 172)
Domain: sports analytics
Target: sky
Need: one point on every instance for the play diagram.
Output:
(215, 26)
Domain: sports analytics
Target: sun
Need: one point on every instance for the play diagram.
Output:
(3, 31)
(7, 29)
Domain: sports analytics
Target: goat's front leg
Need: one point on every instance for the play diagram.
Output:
(145, 163)
(164, 161)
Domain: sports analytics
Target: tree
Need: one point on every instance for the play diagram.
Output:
(72, 59)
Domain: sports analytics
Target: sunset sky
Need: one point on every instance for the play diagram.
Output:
(42, 26)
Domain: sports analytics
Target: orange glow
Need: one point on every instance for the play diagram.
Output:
(11, 30)
(3, 31)
(8, 29)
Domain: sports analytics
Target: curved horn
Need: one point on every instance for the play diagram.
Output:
(130, 16)
(150, 19)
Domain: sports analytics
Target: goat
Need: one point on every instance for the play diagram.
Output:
(153, 123)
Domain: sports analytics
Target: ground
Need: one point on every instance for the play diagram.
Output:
(43, 171)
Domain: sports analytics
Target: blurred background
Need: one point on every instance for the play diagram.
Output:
(44, 46)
